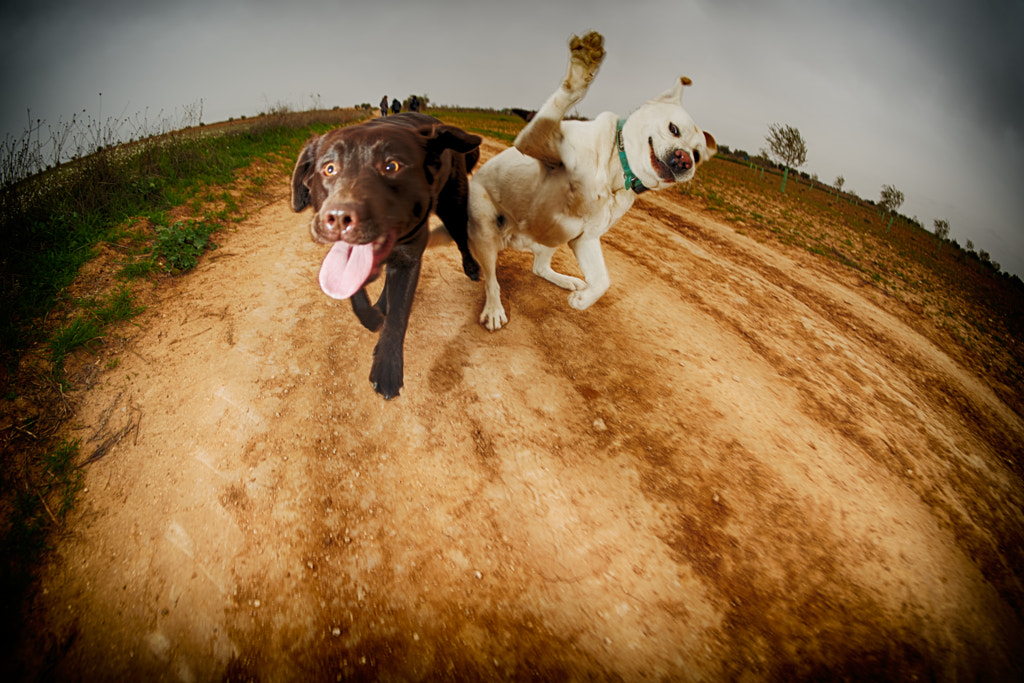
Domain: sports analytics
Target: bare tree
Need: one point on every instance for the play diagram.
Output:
(891, 200)
(941, 231)
(787, 145)
(839, 182)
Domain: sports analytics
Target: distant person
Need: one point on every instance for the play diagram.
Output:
(396, 106)
(414, 103)
(384, 106)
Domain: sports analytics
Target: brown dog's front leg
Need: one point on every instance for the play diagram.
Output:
(370, 316)
(387, 375)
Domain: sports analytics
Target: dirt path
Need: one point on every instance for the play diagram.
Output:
(739, 464)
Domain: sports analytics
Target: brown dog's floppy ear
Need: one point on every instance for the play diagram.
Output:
(442, 137)
(301, 174)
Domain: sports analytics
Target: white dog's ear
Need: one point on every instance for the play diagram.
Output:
(712, 146)
(674, 94)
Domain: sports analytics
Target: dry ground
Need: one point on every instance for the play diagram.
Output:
(740, 464)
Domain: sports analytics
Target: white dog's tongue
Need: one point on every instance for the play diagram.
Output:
(345, 269)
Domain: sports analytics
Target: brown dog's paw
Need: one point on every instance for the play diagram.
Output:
(386, 374)
(470, 267)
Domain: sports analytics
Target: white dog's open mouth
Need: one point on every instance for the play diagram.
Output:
(347, 267)
(679, 163)
(659, 166)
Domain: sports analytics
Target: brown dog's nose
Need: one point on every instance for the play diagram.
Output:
(341, 220)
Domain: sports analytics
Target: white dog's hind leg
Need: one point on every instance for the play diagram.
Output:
(542, 267)
(591, 261)
(493, 316)
(486, 254)
(485, 243)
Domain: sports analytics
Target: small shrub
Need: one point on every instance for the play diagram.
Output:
(181, 245)
(136, 269)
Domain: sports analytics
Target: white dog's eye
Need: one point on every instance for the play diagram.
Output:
(696, 156)
(672, 128)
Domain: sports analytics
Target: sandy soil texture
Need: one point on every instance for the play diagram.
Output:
(742, 463)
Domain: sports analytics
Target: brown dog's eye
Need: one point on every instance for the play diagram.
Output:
(391, 167)
(330, 168)
(672, 128)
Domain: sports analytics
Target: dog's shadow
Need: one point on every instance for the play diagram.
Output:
(540, 320)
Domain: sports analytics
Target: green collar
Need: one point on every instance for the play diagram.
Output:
(632, 182)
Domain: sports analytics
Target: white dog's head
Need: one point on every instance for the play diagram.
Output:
(662, 142)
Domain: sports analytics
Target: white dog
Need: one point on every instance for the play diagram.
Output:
(570, 181)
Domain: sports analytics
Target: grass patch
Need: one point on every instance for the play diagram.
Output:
(51, 222)
(92, 317)
(80, 332)
(181, 245)
(62, 478)
(131, 270)
(119, 306)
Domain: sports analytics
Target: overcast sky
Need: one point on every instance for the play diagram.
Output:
(925, 95)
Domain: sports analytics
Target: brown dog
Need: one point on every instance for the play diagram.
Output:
(372, 187)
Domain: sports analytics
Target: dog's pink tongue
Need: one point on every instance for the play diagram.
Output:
(345, 269)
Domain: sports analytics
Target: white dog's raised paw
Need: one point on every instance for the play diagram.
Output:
(585, 57)
(493, 317)
(588, 50)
